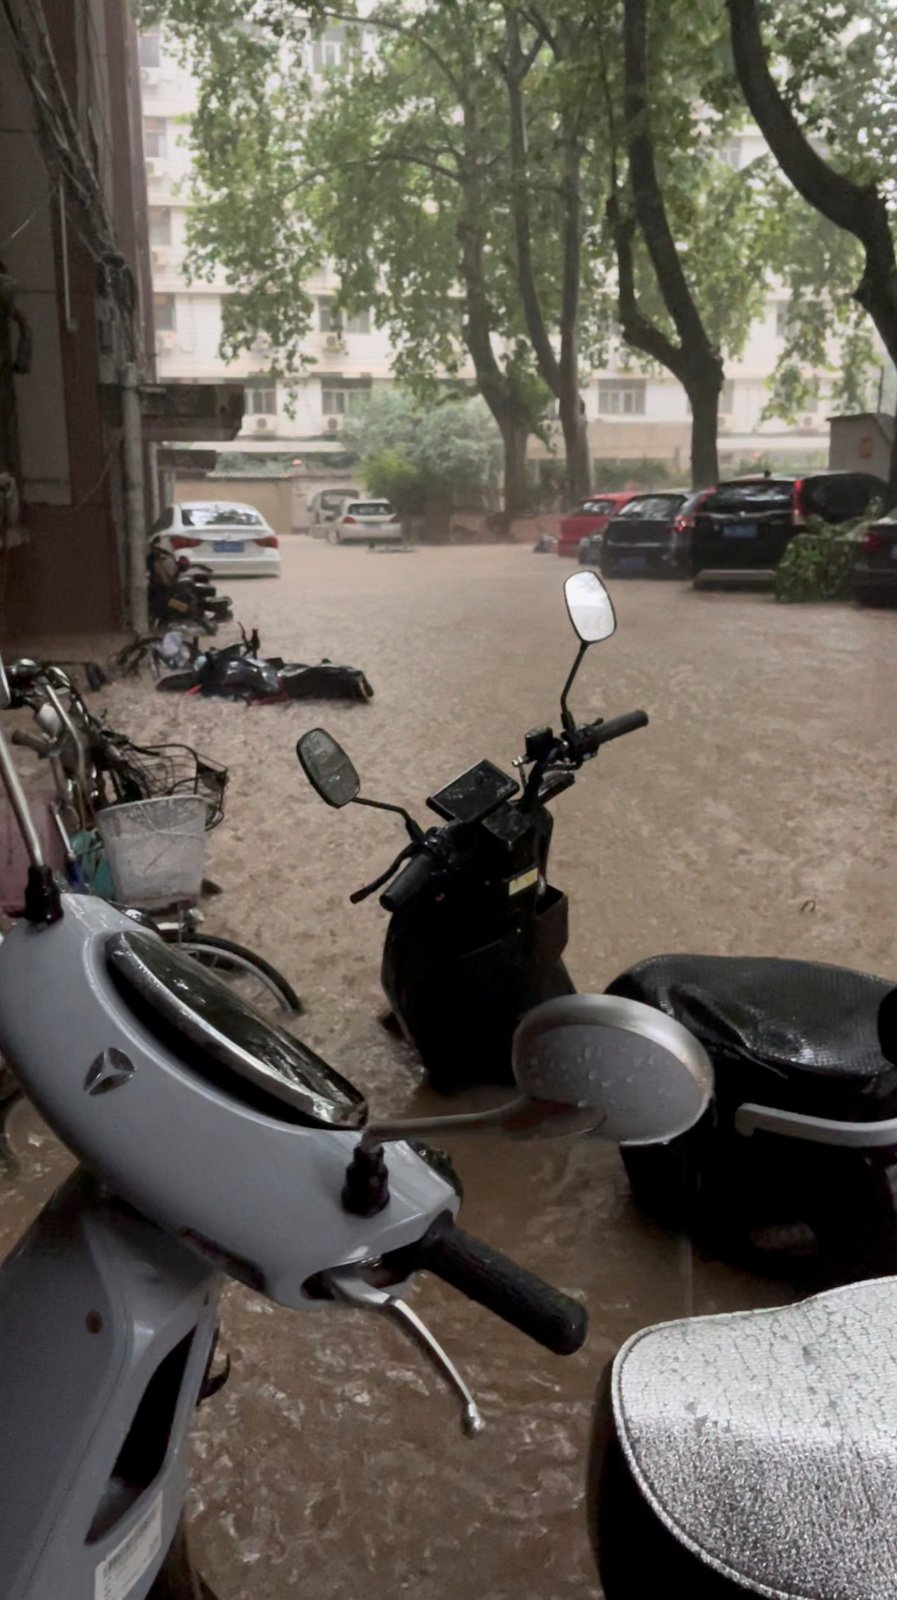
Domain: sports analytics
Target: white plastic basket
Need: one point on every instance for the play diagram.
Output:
(156, 849)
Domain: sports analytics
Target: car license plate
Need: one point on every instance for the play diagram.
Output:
(739, 530)
(631, 563)
(894, 552)
(227, 547)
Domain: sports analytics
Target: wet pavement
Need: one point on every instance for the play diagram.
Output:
(755, 814)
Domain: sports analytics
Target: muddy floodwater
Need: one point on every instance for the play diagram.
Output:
(756, 814)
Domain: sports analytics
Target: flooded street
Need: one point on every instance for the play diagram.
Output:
(755, 814)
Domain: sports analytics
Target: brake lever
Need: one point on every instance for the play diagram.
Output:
(346, 1284)
(358, 895)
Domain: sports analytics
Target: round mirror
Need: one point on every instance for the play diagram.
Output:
(643, 1075)
(590, 607)
(327, 767)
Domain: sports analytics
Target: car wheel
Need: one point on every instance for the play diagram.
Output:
(333, 536)
(608, 565)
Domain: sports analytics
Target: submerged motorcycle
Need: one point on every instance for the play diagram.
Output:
(239, 671)
(476, 928)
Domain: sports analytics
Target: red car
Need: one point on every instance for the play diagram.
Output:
(592, 516)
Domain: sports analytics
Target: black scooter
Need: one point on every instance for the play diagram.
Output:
(240, 672)
(477, 933)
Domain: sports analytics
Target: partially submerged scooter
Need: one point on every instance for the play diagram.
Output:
(476, 928)
(215, 1144)
(239, 671)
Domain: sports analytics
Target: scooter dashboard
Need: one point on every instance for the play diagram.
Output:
(217, 1034)
(474, 794)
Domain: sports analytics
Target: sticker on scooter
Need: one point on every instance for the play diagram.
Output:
(117, 1575)
(524, 881)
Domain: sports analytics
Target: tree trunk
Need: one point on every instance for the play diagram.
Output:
(576, 448)
(892, 475)
(704, 397)
(514, 438)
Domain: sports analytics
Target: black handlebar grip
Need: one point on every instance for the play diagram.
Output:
(410, 880)
(595, 734)
(494, 1281)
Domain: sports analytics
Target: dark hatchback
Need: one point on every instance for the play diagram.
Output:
(652, 534)
(743, 529)
(875, 571)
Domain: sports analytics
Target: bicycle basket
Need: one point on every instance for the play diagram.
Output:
(155, 849)
(140, 772)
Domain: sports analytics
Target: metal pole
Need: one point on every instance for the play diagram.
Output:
(135, 505)
(20, 806)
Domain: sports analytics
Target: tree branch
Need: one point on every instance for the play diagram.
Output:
(546, 360)
(637, 329)
(650, 208)
(855, 208)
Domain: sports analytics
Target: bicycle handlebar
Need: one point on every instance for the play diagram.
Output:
(498, 1284)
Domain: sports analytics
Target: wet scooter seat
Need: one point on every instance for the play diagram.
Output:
(753, 1452)
(796, 1035)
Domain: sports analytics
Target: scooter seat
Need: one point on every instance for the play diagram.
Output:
(796, 1035)
(762, 1448)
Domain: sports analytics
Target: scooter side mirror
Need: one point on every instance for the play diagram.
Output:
(589, 607)
(328, 768)
(635, 1075)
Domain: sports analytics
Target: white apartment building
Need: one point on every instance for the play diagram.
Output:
(631, 414)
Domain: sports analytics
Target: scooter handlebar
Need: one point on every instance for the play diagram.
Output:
(497, 1283)
(409, 882)
(590, 738)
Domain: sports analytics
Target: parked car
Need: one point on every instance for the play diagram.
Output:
(744, 527)
(365, 522)
(592, 516)
(875, 571)
(324, 507)
(231, 539)
(652, 534)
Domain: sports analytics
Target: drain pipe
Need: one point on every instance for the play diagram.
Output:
(135, 504)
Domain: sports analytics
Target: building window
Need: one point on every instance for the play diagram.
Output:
(621, 397)
(164, 313)
(358, 322)
(149, 49)
(783, 317)
(329, 319)
(261, 400)
(160, 224)
(329, 50)
(337, 399)
(730, 152)
(155, 139)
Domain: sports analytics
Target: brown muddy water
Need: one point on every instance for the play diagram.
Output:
(756, 814)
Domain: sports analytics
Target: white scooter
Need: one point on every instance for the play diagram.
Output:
(215, 1144)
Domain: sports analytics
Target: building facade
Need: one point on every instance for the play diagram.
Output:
(631, 414)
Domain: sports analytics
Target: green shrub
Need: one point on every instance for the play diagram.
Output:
(818, 564)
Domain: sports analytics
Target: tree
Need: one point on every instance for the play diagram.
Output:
(425, 458)
(850, 195)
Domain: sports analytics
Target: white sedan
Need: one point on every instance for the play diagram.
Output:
(365, 522)
(233, 540)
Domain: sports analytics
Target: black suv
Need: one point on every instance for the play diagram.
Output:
(744, 527)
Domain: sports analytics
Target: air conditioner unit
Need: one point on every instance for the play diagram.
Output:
(165, 339)
(808, 420)
(334, 424)
(334, 341)
(265, 424)
(159, 254)
(725, 424)
(262, 344)
(149, 74)
(153, 167)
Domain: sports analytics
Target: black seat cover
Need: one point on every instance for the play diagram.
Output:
(793, 1034)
